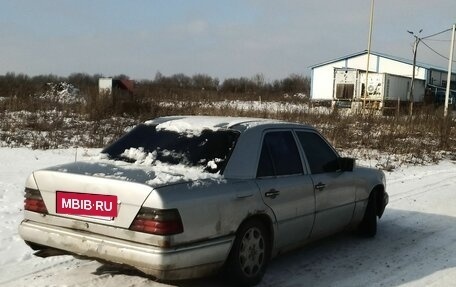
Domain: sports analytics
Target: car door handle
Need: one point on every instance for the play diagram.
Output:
(320, 186)
(272, 193)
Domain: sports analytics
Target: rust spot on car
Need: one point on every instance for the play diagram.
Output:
(165, 243)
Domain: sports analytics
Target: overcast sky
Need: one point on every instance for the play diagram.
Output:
(220, 38)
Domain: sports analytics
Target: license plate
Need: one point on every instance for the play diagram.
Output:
(97, 205)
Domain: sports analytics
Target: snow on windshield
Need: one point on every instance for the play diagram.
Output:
(164, 173)
(146, 143)
(160, 173)
(169, 156)
(139, 156)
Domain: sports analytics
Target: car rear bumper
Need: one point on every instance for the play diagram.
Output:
(191, 261)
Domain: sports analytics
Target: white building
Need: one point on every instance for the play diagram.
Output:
(123, 87)
(105, 85)
(343, 79)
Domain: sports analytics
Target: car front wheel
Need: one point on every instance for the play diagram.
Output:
(249, 255)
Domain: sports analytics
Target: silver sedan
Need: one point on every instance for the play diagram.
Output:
(186, 196)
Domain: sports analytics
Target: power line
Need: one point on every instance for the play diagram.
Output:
(438, 33)
(430, 48)
(439, 40)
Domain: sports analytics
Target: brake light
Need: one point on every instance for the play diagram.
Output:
(34, 201)
(158, 221)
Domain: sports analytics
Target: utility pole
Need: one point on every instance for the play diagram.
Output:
(412, 84)
(369, 41)
(448, 85)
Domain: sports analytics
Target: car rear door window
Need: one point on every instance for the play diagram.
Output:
(319, 154)
(279, 155)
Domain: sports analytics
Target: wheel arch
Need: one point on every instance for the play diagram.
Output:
(266, 220)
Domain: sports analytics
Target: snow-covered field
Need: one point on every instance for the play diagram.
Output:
(415, 244)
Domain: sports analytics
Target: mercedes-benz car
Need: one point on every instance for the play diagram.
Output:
(186, 196)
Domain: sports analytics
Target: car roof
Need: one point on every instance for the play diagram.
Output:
(215, 122)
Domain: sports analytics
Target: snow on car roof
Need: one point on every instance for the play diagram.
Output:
(194, 125)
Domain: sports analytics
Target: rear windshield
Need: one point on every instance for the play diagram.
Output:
(209, 149)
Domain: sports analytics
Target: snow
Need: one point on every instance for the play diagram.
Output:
(183, 127)
(166, 173)
(140, 156)
(415, 244)
(270, 107)
(263, 106)
(191, 126)
(160, 173)
(62, 92)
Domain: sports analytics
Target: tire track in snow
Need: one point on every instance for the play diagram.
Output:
(76, 272)
(418, 175)
(12, 273)
(434, 181)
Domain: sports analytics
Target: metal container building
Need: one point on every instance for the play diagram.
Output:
(342, 80)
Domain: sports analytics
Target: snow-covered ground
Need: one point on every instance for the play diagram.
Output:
(415, 244)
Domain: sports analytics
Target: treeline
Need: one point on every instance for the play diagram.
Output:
(177, 86)
(21, 85)
(292, 84)
(95, 121)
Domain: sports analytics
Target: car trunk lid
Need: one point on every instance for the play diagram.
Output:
(64, 186)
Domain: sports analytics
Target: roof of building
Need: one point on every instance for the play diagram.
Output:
(394, 58)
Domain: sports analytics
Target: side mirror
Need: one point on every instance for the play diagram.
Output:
(346, 163)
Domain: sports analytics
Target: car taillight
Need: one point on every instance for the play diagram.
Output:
(33, 201)
(158, 221)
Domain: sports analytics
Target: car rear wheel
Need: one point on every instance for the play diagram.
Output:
(368, 226)
(249, 255)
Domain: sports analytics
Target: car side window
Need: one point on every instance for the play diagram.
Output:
(279, 155)
(319, 154)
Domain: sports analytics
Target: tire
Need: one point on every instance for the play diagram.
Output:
(249, 255)
(368, 226)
